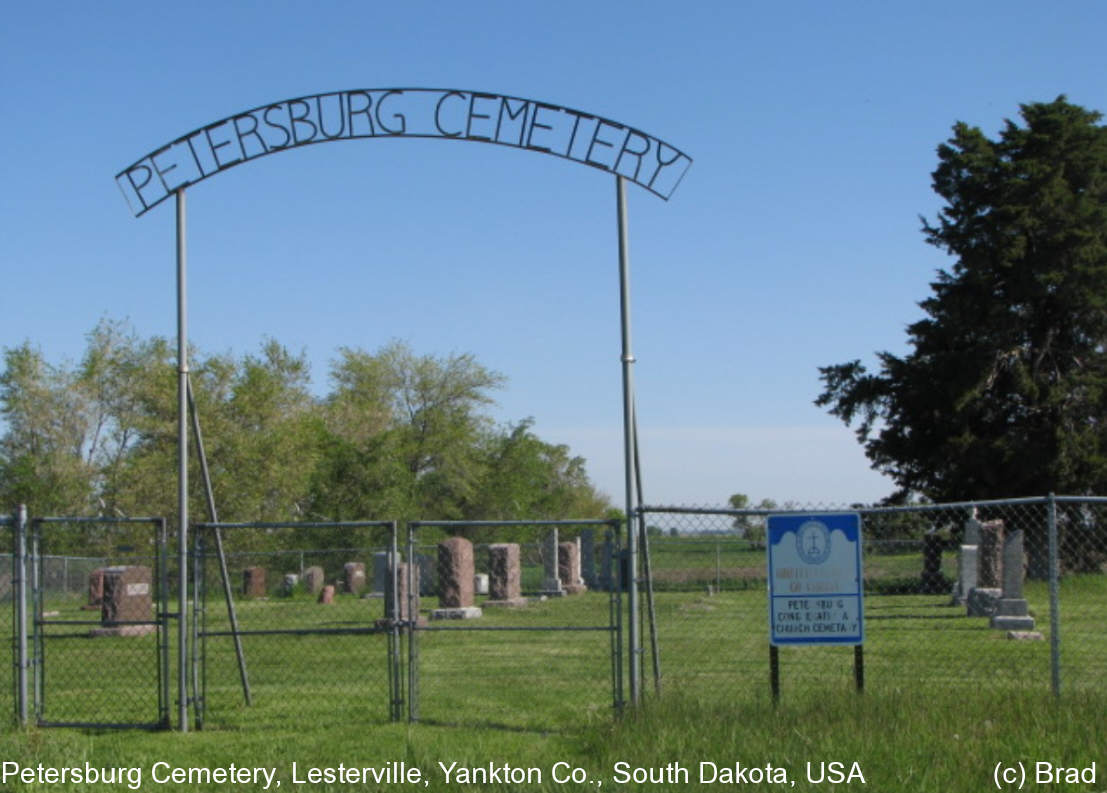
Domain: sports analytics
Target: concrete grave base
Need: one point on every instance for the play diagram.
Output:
(1013, 623)
(509, 603)
(457, 613)
(123, 630)
(983, 601)
(1031, 636)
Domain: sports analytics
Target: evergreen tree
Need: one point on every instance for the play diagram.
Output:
(1004, 391)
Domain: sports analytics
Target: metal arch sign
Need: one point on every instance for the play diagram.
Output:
(403, 113)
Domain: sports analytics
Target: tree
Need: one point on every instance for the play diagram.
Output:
(42, 454)
(750, 527)
(403, 432)
(1004, 390)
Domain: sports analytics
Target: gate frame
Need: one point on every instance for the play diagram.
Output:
(615, 612)
(35, 661)
(200, 634)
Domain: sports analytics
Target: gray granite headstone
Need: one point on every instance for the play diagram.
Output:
(380, 572)
(972, 532)
(551, 583)
(1012, 611)
(588, 557)
(313, 579)
(966, 574)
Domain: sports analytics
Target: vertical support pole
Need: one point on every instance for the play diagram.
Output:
(859, 666)
(1054, 599)
(628, 441)
(395, 674)
(182, 468)
(774, 672)
(23, 660)
(413, 584)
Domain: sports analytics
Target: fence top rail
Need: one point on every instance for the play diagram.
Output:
(415, 524)
(292, 524)
(94, 519)
(870, 510)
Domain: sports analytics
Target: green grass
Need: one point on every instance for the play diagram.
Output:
(946, 697)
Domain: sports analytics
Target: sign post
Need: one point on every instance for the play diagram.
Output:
(815, 585)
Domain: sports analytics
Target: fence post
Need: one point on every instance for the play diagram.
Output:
(1054, 599)
(21, 613)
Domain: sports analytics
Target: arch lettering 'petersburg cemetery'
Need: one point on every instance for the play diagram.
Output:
(403, 112)
(622, 151)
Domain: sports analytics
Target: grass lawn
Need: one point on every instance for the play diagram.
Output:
(946, 701)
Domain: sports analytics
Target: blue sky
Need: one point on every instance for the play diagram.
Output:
(792, 242)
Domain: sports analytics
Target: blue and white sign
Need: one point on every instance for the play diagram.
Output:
(815, 579)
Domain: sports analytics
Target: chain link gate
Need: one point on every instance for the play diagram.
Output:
(100, 653)
(532, 654)
(287, 611)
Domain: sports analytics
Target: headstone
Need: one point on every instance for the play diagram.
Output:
(504, 588)
(128, 598)
(288, 585)
(588, 558)
(568, 567)
(990, 559)
(253, 582)
(354, 577)
(551, 584)
(480, 584)
(428, 573)
(326, 594)
(932, 578)
(455, 580)
(455, 573)
(607, 565)
(1012, 611)
(313, 579)
(404, 606)
(95, 590)
(983, 599)
(966, 574)
(972, 532)
(380, 572)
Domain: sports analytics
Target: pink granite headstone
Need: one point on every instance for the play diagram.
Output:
(455, 573)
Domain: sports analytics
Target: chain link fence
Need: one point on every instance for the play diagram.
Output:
(10, 617)
(99, 622)
(502, 623)
(939, 610)
(519, 623)
(283, 635)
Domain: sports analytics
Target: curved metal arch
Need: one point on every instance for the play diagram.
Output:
(403, 112)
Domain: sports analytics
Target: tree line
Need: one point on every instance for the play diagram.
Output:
(397, 436)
